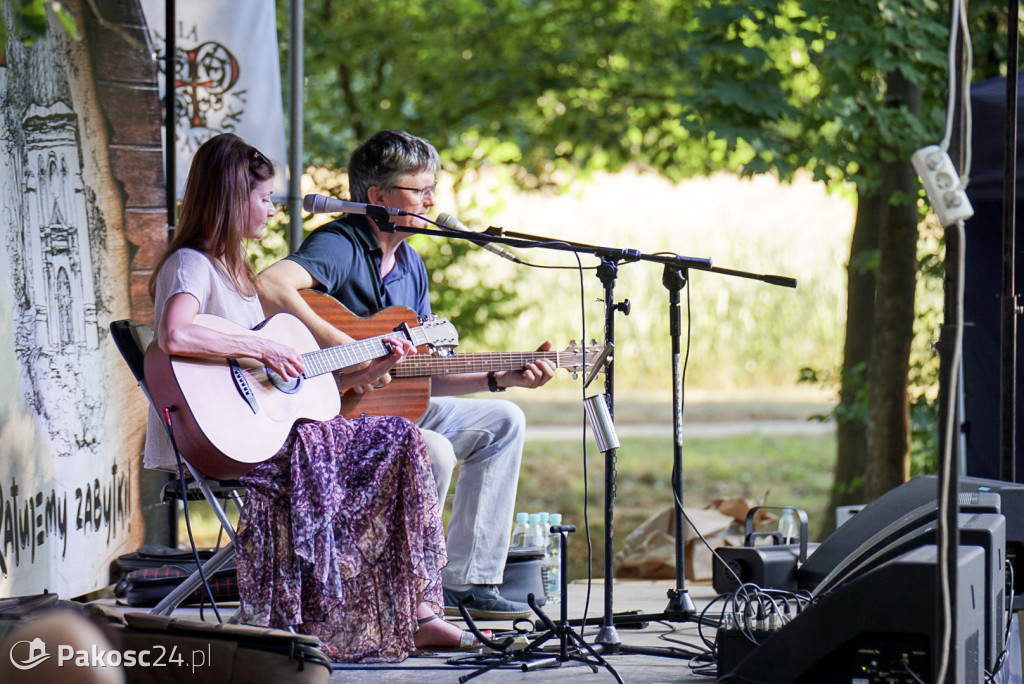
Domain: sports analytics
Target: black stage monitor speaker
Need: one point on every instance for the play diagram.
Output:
(905, 508)
(986, 530)
(875, 628)
(1011, 496)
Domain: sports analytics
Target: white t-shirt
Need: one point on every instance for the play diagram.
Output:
(191, 271)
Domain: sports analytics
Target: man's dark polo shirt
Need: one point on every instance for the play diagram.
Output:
(344, 256)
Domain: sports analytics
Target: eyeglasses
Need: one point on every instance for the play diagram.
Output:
(423, 193)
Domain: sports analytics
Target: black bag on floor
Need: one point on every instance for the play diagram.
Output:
(143, 578)
(154, 556)
(147, 587)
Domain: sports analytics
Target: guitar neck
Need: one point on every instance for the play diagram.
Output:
(420, 365)
(330, 359)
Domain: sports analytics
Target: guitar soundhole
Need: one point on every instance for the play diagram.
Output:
(290, 387)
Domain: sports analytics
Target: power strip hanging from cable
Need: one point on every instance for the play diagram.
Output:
(945, 187)
(942, 184)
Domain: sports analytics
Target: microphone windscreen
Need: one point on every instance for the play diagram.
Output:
(450, 222)
(309, 203)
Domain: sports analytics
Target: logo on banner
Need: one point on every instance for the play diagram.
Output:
(225, 77)
(207, 101)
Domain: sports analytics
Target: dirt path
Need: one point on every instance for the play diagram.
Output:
(697, 430)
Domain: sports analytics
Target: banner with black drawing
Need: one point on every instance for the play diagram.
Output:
(76, 180)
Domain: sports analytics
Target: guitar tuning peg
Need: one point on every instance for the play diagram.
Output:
(593, 342)
(575, 375)
(572, 343)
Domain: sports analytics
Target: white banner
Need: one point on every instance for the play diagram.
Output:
(227, 79)
(71, 418)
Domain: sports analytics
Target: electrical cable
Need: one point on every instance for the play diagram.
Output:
(586, 460)
(965, 79)
(906, 667)
(586, 480)
(958, 21)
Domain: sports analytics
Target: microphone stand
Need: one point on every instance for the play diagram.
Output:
(680, 608)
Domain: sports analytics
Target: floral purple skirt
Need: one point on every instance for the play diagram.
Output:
(341, 536)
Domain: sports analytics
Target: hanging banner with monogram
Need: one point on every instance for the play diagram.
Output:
(227, 78)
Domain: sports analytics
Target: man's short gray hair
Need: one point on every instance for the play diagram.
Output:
(385, 157)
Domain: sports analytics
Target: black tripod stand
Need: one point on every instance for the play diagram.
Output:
(571, 646)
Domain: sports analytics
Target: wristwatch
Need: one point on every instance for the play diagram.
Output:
(492, 382)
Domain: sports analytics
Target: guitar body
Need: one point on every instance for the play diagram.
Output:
(218, 428)
(405, 397)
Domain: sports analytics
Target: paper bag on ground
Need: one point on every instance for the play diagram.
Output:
(650, 549)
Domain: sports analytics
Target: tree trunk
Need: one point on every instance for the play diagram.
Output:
(851, 415)
(889, 411)
(873, 426)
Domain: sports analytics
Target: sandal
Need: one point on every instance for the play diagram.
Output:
(467, 640)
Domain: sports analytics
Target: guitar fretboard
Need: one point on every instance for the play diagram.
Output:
(419, 365)
(341, 356)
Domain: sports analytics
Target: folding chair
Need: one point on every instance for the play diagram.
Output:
(132, 339)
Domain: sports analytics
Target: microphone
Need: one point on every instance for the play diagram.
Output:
(321, 204)
(452, 223)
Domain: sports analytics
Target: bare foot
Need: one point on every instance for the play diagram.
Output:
(435, 632)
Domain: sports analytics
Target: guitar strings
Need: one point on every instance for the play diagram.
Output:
(333, 358)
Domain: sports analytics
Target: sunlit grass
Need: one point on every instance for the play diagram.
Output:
(795, 471)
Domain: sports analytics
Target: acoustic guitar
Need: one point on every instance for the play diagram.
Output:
(408, 392)
(227, 415)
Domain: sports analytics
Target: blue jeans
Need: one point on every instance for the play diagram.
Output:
(486, 437)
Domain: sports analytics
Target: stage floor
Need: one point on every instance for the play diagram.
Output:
(629, 595)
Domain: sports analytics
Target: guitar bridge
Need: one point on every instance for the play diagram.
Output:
(242, 385)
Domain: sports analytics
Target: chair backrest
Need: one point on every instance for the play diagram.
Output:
(132, 339)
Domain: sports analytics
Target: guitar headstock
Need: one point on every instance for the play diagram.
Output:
(436, 333)
(572, 359)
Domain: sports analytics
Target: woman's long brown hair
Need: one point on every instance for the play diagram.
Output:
(215, 209)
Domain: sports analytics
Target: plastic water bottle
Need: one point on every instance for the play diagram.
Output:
(789, 527)
(553, 585)
(535, 536)
(520, 530)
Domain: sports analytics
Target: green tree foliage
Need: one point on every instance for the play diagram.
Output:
(29, 20)
(570, 86)
(555, 90)
(845, 88)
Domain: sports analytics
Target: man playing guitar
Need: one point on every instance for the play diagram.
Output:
(368, 270)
